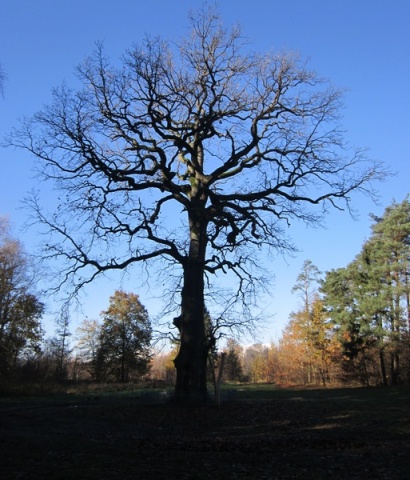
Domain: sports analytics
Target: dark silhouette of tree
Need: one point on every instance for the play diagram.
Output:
(197, 154)
(60, 346)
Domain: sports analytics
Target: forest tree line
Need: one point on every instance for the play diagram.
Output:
(352, 325)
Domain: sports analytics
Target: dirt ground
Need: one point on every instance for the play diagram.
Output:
(346, 434)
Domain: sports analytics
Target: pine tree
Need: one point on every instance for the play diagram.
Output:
(369, 299)
(389, 259)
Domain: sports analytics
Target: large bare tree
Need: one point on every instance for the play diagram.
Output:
(194, 153)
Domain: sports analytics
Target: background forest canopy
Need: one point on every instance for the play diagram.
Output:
(236, 144)
(352, 326)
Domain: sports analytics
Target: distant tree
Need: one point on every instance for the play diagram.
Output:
(271, 366)
(233, 362)
(240, 143)
(290, 365)
(20, 309)
(162, 366)
(59, 344)
(255, 362)
(125, 337)
(309, 328)
(88, 344)
(307, 283)
(62, 342)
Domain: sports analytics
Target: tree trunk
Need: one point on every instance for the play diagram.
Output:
(122, 371)
(394, 368)
(383, 366)
(190, 363)
(366, 375)
(218, 381)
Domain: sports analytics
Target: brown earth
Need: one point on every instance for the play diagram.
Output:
(346, 434)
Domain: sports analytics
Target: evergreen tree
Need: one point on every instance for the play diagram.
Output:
(389, 257)
(306, 283)
(369, 300)
(339, 290)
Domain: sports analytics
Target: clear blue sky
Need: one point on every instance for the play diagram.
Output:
(361, 45)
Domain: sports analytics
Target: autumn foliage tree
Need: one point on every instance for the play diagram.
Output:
(307, 347)
(194, 153)
(309, 336)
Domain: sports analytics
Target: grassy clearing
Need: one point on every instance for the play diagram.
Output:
(259, 432)
(118, 393)
(264, 391)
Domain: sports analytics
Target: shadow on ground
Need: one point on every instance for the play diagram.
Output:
(294, 434)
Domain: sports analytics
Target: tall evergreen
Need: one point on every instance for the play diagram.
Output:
(369, 299)
(389, 261)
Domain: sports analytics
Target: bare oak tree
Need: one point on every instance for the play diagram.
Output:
(196, 154)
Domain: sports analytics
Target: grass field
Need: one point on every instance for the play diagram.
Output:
(258, 432)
